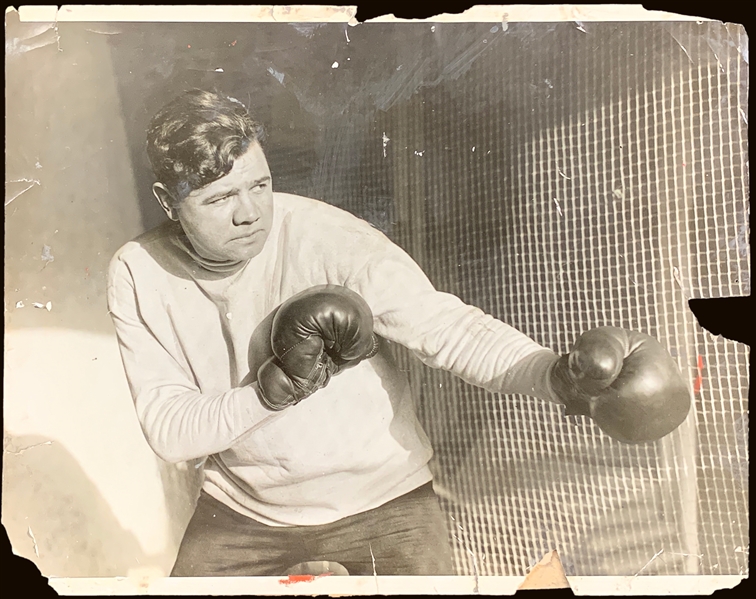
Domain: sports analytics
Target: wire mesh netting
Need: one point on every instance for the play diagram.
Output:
(604, 186)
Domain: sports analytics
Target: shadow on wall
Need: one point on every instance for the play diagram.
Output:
(56, 517)
(73, 204)
(80, 480)
(89, 491)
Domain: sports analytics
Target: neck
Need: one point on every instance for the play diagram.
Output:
(216, 266)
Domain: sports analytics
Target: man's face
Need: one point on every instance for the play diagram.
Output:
(230, 219)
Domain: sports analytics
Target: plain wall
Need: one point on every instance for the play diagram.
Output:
(83, 494)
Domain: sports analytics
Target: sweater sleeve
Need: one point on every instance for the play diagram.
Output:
(443, 331)
(179, 422)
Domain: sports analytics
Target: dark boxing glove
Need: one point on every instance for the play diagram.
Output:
(626, 381)
(315, 335)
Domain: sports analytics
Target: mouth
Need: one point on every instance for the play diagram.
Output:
(247, 237)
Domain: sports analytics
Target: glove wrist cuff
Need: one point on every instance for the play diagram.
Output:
(271, 406)
(374, 350)
(575, 402)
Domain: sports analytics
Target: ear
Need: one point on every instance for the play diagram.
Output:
(165, 199)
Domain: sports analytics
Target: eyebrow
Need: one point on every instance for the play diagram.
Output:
(222, 194)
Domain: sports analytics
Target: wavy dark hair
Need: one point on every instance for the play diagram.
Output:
(195, 138)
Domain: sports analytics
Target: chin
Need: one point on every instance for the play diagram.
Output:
(246, 250)
(247, 254)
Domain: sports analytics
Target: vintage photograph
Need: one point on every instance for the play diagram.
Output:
(301, 299)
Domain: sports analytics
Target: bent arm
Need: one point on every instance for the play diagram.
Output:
(179, 422)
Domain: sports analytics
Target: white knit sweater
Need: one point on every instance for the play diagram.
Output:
(190, 342)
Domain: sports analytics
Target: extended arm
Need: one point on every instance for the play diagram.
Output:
(446, 333)
(625, 380)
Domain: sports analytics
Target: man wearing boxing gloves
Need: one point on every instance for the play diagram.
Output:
(255, 327)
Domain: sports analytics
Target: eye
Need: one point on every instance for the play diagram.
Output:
(259, 188)
(218, 200)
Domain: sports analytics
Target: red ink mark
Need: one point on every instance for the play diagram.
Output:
(86, 270)
(699, 378)
(188, 45)
(293, 578)
(233, 43)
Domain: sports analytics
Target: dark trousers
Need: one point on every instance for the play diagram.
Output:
(406, 536)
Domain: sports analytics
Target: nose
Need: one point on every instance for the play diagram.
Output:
(246, 211)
